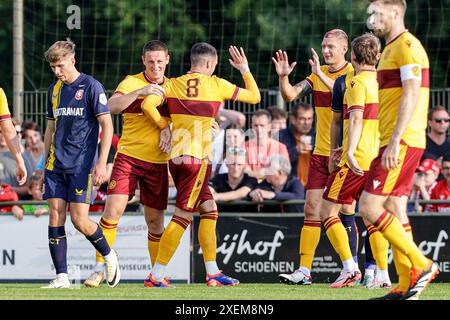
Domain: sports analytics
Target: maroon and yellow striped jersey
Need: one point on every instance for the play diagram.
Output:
(4, 111)
(193, 101)
(403, 58)
(140, 135)
(362, 94)
(322, 104)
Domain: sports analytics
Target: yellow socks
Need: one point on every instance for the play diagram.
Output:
(379, 246)
(109, 228)
(402, 264)
(153, 246)
(207, 235)
(309, 240)
(338, 237)
(171, 238)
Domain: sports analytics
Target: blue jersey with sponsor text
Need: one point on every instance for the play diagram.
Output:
(75, 108)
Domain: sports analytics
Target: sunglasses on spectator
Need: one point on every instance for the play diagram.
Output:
(234, 150)
(439, 120)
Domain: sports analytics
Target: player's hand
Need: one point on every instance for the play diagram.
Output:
(215, 129)
(147, 90)
(335, 158)
(99, 174)
(21, 173)
(165, 140)
(282, 66)
(354, 165)
(238, 59)
(389, 159)
(315, 62)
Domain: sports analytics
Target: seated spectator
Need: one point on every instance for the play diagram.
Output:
(35, 190)
(437, 142)
(7, 193)
(234, 185)
(279, 185)
(227, 119)
(233, 138)
(262, 146)
(34, 145)
(424, 182)
(8, 169)
(442, 189)
(279, 120)
(299, 139)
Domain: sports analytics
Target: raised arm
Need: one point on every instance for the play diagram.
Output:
(251, 92)
(284, 69)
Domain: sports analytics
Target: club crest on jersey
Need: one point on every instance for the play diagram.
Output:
(408, 43)
(112, 185)
(416, 71)
(352, 83)
(79, 94)
(387, 53)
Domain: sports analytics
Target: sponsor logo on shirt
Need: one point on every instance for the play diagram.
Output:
(69, 111)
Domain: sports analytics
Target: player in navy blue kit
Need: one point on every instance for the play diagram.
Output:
(76, 106)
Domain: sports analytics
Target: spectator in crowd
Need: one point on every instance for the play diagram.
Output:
(234, 185)
(424, 182)
(442, 189)
(35, 190)
(279, 185)
(8, 169)
(233, 139)
(34, 145)
(262, 146)
(299, 139)
(437, 143)
(7, 193)
(279, 120)
(230, 122)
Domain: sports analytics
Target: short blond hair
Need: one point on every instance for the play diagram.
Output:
(60, 50)
(337, 33)
(401, 3)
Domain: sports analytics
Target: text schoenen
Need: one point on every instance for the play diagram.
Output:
(347, 279)
(220, 280)
(297, 277)
(420, 279)
(394, 294)
(94, 279)
(152, 283)
(112, 270)
(58, 283)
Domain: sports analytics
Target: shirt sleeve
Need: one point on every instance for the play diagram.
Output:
(124, 86)
(411, 59)
(98, 99)
(228, 91)
(4, 111)
(356, 96)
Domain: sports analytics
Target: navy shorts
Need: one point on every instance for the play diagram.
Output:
(75, 187)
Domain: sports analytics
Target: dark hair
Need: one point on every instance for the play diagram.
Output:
(155, 45)
(29, 125)
(200, 51)
(366, 49)
(301, 105)
(435, 109)
(277, 113)
(35, 179)
(446, 158)
(262, 112)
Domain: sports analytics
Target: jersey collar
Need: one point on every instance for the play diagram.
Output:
(338, 69)
(396, 36)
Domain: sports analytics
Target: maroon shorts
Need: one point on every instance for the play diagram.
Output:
(153, 179)
(396, 182)
(191, 176)
(318, 172)
(344, 186)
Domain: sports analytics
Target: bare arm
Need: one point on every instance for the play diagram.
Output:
(99, 174)
(235, 117)
(238, 194)
(354, 135)
(12, 140)
(408, 104)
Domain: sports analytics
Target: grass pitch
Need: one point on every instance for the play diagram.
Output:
(135, 291)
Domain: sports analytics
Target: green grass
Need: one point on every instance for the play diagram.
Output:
(438, 291)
